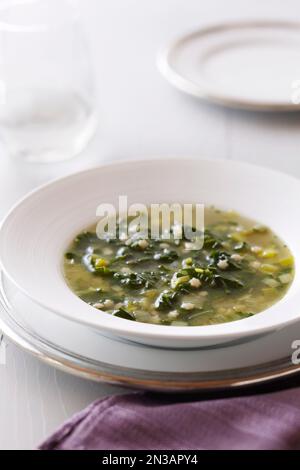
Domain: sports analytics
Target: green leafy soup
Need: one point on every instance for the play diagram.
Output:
(242, 269)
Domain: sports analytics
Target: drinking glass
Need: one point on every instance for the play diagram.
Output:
(47, 108)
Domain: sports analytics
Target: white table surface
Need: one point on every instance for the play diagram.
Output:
(140, 116)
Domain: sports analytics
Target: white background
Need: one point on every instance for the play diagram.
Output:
(140, 116)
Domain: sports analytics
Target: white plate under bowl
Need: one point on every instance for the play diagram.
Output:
(252, 65)
(76, 349)
(37, 231)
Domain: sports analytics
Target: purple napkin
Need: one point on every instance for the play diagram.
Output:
(153, 422)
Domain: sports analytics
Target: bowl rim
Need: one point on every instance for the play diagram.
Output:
(119, 326)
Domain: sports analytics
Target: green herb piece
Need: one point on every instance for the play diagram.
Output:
(122, 313)
(166, 300)
(167, 256)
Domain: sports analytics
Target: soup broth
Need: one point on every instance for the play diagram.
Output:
(242, 269)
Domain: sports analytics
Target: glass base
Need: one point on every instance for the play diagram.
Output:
(47, 127)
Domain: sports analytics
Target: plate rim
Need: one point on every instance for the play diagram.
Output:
(179, 382)
(199, 91)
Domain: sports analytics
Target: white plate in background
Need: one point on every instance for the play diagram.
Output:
(253, 65)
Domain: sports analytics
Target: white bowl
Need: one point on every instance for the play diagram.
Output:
(37, 231)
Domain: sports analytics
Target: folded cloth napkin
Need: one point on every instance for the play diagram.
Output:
(155, 422)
